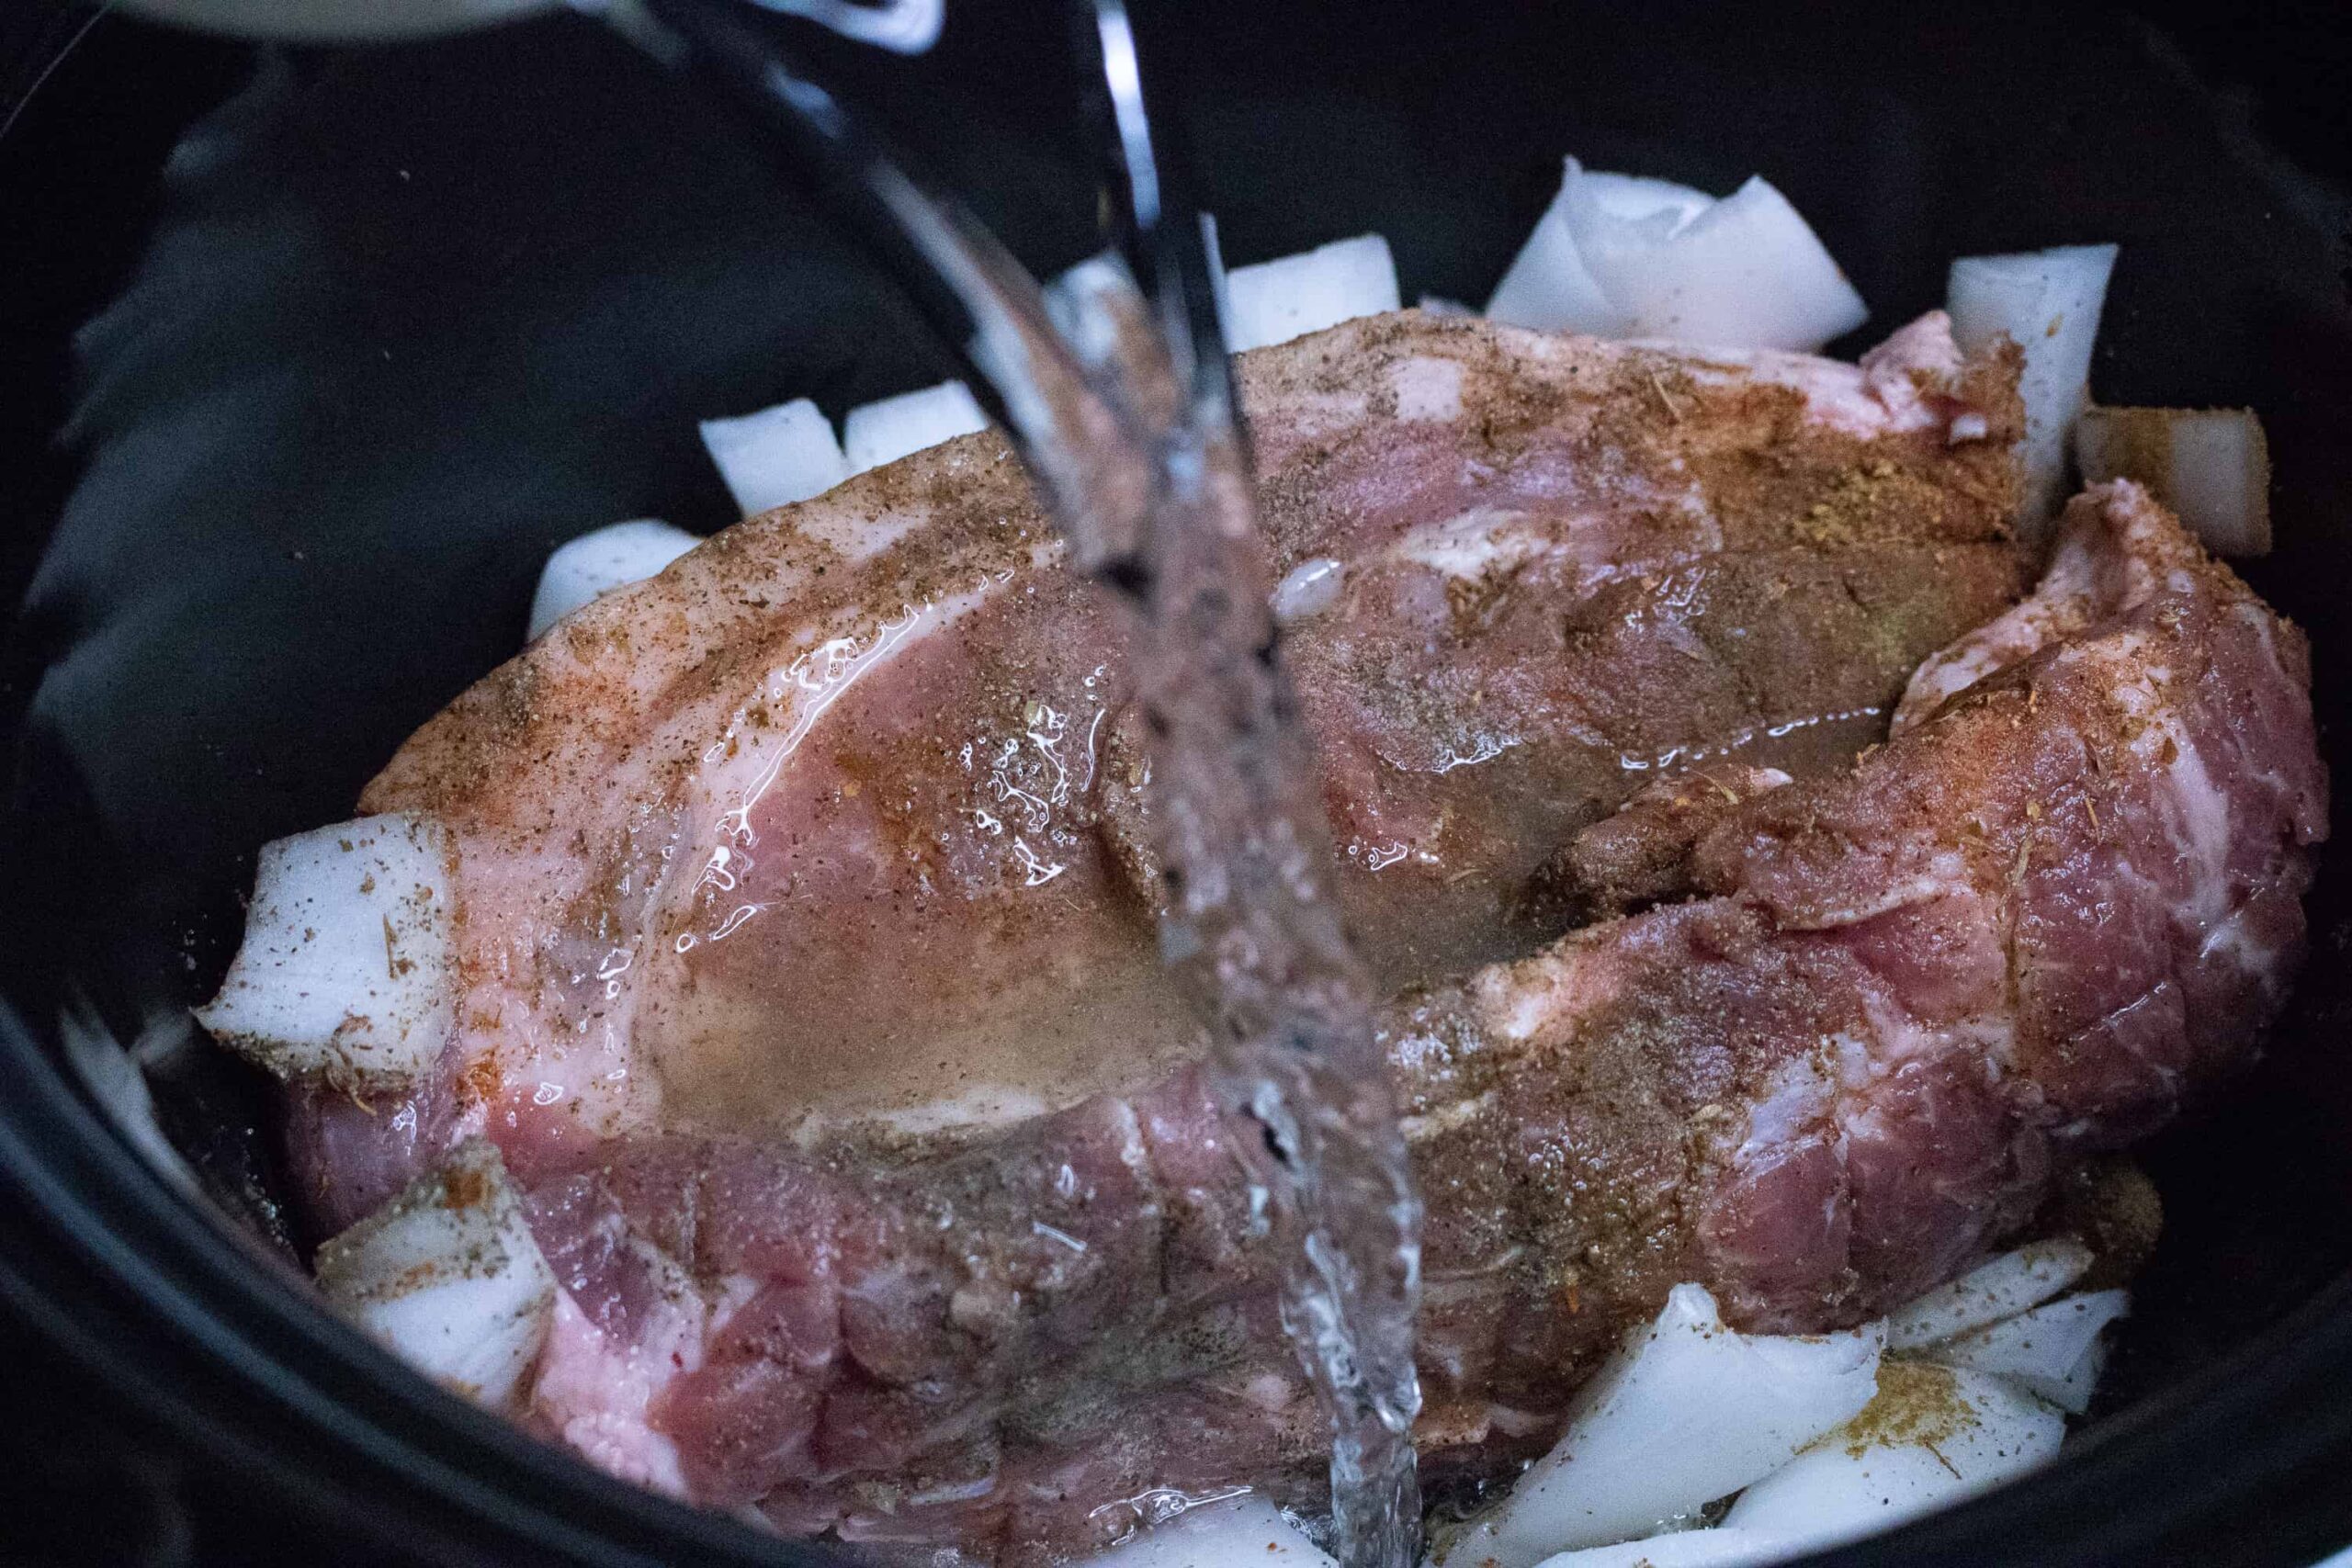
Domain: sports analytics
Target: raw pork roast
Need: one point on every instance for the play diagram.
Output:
(800, 962)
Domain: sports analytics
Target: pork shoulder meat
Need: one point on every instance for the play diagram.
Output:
(1896, 1003)
(838, 820)
(828, 833)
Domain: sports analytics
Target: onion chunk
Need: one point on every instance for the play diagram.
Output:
(775, 456)
(345, 968)
(595, 563)
(1931, 1436)
(2001, 1286)
(878, 433)
(1617, 255)
(2048, 303)
(1717, 1547)
(449, 1278)
(1745, 272)
(2210, 466)
(1275, 301)
(2054, 1351)
(1548, 286)
(1688, 1411)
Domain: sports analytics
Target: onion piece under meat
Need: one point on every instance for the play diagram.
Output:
(1240, 1533)
(878, 433)
(1931, 1436)
(449, 1278)
(2212, 467)
(1717, 1547)
(775, 456)
(1275, 301)
(601, 560)
(2054, 1351)
(1745, 272)
(2048, 303)
(343, 972)
(1998, 1288)
(1688, 1411)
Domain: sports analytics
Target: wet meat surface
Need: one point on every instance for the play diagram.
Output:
(805, 946)
(1896, 1005)
(839, 819)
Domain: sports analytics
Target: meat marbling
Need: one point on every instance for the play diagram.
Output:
(833, 821)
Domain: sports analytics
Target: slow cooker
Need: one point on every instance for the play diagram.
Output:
(319, 351)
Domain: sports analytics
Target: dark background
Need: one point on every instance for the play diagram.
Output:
(396, 320)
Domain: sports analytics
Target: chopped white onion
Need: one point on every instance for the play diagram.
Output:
(2211, 465)
(1686, 1412)
(344, 966)
(1638, 195)
(2000, 1287)
(1745, 272)
(1717, 1547)
(1932, 1437)
(601, 560)
(775, 456)
(2048, 302)
(2052, 1350)
(1275, 301)
(884, 432)
(447, 1277)
(1238, 1532)
(1548, 288)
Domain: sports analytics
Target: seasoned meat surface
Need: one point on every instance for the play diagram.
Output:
(838, 821)
(1900, 1001)
(804, 946)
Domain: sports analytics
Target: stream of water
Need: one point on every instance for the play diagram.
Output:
(1252, 930)
(1130, 435)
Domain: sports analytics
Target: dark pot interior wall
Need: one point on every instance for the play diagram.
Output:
(398, 321)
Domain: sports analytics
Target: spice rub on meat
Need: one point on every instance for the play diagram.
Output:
(1894, 1007)
(837, 820)
(802, 963)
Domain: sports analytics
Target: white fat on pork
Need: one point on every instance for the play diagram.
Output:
(1245, 1531)
(878, 433)
(447, 1277)
(2210, 466)
(595, 563)
(775, 456)
(1275, 301)
(1932, 1435)
(344, 969)
(2048, 303)
(1686, 1412)
(2001, 1286)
